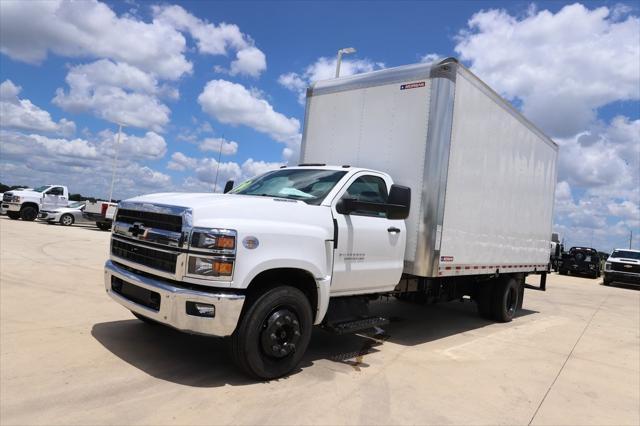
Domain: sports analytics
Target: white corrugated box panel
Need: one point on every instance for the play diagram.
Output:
(500, 185)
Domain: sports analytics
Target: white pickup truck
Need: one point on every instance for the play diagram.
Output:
(25, 204)
(441, 190)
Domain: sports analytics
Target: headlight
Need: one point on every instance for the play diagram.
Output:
(607, 266)
(214, 239)
(15, 199)
(209, 267)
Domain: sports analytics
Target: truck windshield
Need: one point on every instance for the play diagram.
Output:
(42, 188)
(626, 254)
(308, 185)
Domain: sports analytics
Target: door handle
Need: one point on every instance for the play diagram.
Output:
(393, 230)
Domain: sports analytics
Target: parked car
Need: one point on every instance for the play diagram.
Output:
(622, 266)
(65, 216)
(581, 261)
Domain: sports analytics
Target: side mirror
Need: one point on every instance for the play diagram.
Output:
(228, 186)
(346, 205)
(399, 202)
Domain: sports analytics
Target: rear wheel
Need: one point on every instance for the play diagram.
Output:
(273, 334)
(563, 272)
(66, 219)
(504, 299)
(13, 215)
(29, 213)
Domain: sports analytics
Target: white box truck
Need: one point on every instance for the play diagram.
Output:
(418, 182)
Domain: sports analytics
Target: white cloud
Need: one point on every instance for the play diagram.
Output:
(31, 29)
(205, 169)
(431, 58)
(82, 164)
(250, 61)
(232, 103)
(562, 66)
(215, 144)
(21, 114)
(150, 146)
(216, 40)
(116, 92)
(323, 69)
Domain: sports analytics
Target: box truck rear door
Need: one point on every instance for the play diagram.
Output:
(370, 250)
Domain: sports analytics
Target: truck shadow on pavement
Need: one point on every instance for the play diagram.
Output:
(201, 361)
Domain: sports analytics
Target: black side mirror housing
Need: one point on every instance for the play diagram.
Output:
(228, 186)
(398, 202)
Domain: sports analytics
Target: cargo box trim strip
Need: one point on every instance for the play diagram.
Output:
(448, 269)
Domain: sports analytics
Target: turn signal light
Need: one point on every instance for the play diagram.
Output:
(222, 268)
(226, 242)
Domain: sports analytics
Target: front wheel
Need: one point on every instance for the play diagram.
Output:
(66, 219)
(29, 213)
(103, 226)
(13, 215)
(273, 334)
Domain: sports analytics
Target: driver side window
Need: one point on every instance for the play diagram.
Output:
(369, 188)
(55, 191)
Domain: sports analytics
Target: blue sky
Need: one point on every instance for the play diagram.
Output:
(185, 82)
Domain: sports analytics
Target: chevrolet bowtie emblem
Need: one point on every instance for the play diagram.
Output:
(137, 229)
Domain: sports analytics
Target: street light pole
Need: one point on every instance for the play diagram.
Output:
(341, 52)
(115, 161)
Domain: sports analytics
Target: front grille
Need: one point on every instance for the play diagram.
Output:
(7, 197)
(163, 221)
(136, 294)
(620, 267)
(146, 256)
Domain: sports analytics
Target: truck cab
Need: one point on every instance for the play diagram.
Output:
(320, 231)
(26, 204)
(622, 266)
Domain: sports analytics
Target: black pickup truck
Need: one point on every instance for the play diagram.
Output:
(581, 261)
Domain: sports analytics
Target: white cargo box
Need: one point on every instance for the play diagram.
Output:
(482, 176)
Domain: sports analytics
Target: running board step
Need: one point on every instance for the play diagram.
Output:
(348, 327)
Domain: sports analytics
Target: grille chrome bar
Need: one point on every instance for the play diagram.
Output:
(147, 256)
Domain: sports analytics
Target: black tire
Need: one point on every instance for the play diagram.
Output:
(483, 299)
(563, 272)
(504, 299)
(605, 281)
(13, 215)
(103, 226)
(29, 213)
(273, 333)
(144, 319)
(67, 219)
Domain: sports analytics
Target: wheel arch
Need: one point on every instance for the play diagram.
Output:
(298, 278)
(30, 204)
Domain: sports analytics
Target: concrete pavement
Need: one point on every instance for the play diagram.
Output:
(69, 355)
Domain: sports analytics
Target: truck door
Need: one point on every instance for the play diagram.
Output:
(370, 252)
(54, 198)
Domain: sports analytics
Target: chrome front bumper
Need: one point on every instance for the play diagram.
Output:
(173, 302)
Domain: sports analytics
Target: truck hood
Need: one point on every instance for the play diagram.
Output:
(227, 210)
(23, 193)
(623, 260)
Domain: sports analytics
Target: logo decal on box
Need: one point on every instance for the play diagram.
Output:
(412, 85)
(446, 258)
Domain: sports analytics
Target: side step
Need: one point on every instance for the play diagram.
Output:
(348, 327)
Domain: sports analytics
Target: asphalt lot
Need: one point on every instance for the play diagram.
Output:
(69, 355)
